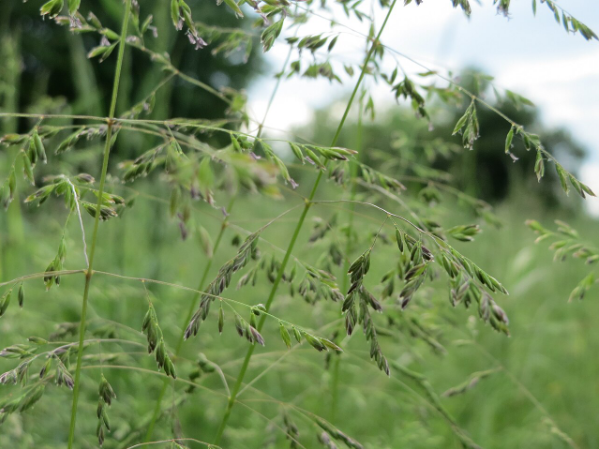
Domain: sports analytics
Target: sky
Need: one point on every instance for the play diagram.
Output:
(528, 54)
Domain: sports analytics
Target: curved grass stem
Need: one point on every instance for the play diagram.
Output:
(89, 272)
(298, 228)
(194, 302)
(348, 249)
(192, 307)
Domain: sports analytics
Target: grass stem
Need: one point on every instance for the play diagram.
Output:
(194, 302)
(348, 250)
(298, 228)
(88, 275)
(192, 307)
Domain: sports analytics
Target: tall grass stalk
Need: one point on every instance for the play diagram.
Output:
(348, 249)
(191, 175)
(202, 282)
(89, 272)
(298, 228)
(190, 312)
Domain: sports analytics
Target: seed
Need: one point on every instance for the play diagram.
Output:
(285, 335)
(21, 295)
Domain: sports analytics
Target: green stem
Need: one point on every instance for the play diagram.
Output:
(346, 262)
(190, 312)
(89, 272)
(354, 189)
(193, 304)
(300, 223)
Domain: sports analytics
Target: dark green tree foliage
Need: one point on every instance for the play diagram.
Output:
(404, 146)
(493, 175)
(57, 76)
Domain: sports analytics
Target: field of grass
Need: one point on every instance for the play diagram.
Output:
(170, 210)
(542, 392)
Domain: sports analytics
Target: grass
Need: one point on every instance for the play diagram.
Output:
(281, 391)
(94, 240)
(548, 352)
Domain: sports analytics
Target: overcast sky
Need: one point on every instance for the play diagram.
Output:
(531, 55)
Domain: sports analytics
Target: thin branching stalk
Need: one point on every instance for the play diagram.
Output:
(428, 398)
(192, 307)
(531, 397)
(32, 276)
(177, 134)
(348, 249)
(206, 271)
(78, 208)
(88, 276)
(300, 223)
(196, 385)
(175, 440)
(354, 188)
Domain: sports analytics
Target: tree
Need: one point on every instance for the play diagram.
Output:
(404, 146)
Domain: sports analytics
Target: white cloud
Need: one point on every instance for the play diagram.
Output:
(530, 55)
(590, 175)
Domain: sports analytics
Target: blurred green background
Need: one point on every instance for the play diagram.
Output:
(547, 373)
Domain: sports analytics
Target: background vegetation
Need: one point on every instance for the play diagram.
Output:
(535, 389)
